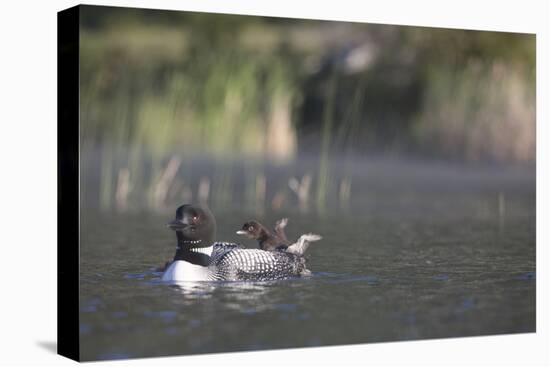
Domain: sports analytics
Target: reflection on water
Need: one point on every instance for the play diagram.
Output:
(244, 297)
(402, 262)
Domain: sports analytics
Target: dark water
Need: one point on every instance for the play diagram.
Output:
(402, 262)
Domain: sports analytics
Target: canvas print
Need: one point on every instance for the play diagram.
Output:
(252, 183)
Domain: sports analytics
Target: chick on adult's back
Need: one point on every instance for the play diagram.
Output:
(277, 241)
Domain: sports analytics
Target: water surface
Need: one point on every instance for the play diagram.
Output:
(404, 261)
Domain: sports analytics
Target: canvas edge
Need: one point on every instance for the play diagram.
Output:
(68, 205)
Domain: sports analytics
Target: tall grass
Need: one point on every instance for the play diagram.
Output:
(159, 92)
(326, 135)
(483, 110)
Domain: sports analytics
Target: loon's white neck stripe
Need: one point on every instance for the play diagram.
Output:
(192, 242)
(203, 250)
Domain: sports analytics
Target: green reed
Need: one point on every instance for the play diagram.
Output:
(227, 87)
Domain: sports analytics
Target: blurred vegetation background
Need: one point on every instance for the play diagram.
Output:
(182, 106)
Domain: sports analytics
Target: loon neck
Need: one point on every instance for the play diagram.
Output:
(198, 256)
(183, 241)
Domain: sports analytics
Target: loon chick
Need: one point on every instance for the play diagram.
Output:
(199, 258)
(279, 228)
(270, 242)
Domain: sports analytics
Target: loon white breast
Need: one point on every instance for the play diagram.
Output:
(198, 258)
(181, 270)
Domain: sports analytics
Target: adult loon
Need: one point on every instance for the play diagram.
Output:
(276, 241)
(199, 258)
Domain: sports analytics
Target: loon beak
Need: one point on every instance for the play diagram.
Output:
(241, 232)
(176, 225)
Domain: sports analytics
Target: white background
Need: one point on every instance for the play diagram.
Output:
(28, 182)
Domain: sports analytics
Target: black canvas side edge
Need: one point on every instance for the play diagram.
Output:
(68, 344)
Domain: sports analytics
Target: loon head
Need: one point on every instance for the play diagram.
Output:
(195, 227)
(253, 230)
